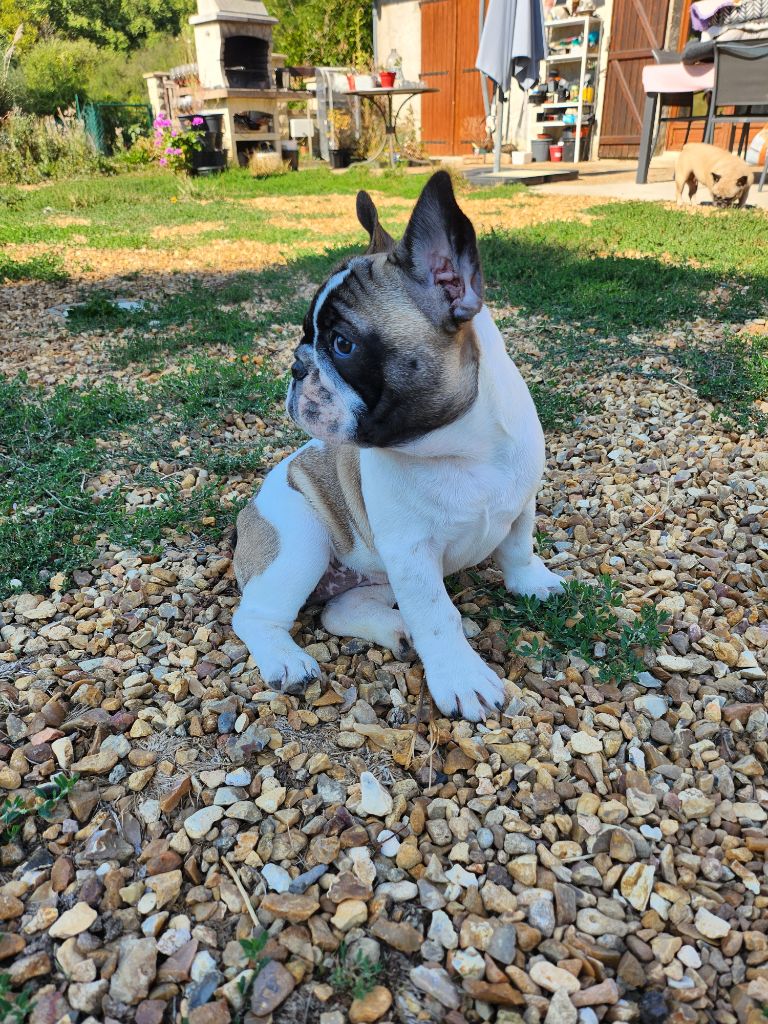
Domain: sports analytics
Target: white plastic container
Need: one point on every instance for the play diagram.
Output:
(519, 158)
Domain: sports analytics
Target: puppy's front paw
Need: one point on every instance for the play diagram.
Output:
(465, 687)
(533, 580)
(288, 670)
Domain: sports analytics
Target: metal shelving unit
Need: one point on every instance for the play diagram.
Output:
(586, 58)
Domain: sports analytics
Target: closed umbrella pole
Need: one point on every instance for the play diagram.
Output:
(512, 45)
(499, 130)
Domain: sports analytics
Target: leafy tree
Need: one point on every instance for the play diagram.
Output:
(118, 77)
(11, 16)
(53, 72)
(323, 32)
(119, 24)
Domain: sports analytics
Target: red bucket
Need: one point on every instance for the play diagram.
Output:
(556, 154)
(387, 79)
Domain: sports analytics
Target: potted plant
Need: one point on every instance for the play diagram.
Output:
(176, 148)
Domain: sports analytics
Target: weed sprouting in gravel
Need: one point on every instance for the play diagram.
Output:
(14, 811)
(99, 312)
(583, 620)
(15, 1007)
(733, 374)
(356, 976)
(253, 948)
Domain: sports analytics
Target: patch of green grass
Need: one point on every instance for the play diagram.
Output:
(128, 210)
(99, 312)
(14, 811)
(557, 407)
(570, 282)
(356, 976)
(51, 445)
(733, 374)
(581, 620)
(45, 267)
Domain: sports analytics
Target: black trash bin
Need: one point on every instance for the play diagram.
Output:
(290, 152)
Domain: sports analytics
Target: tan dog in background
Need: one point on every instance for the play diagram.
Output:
(727, 177)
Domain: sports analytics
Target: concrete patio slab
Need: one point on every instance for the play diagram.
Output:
(615, 179)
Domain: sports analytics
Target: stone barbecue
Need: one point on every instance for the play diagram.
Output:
(237, 76)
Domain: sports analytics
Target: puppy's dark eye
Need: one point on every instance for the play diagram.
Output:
(343, 346)
(715, 178)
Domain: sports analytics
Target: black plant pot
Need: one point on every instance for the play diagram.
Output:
(209, 159)
(211, 122)
(339, 158)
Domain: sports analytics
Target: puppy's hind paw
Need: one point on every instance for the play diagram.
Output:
(533, 580)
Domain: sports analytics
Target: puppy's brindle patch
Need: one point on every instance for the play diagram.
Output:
(257, 544)
(329, 478)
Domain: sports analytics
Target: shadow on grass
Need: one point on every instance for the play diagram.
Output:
(583, 288)
(613, 293)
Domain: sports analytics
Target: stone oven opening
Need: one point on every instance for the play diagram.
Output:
(246, 62)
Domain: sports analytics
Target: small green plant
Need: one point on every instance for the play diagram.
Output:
(356, 976)
(14, 810)
(14, 1009)
(582, 620)
(253, 948)
(543, 541)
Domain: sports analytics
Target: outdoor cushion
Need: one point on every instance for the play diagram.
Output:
(678, 77)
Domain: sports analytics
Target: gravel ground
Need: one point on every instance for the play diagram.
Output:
(598, 853)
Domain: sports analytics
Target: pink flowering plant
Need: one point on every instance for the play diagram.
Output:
(176, 146)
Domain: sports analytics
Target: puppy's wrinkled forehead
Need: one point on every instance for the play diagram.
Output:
(367, 294)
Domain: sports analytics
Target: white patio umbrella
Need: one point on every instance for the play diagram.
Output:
(512, 45)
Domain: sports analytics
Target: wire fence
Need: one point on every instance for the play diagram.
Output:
(112, 126)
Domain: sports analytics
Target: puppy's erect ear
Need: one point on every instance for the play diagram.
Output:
(439, 253)
(367, 214)
(742, 181)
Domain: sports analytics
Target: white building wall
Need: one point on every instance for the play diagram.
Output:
(397, 25)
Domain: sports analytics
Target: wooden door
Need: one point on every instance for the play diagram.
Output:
(677, 133)
(637, 28)
(449, 39)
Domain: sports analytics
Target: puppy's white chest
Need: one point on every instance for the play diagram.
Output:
(471, 508)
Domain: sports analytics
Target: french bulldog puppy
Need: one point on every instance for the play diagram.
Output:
(727, 177)
(426, 456)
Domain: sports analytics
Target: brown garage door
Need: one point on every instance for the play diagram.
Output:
(449, 37)
(637, 27)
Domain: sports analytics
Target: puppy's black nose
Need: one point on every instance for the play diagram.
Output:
(299, 370)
